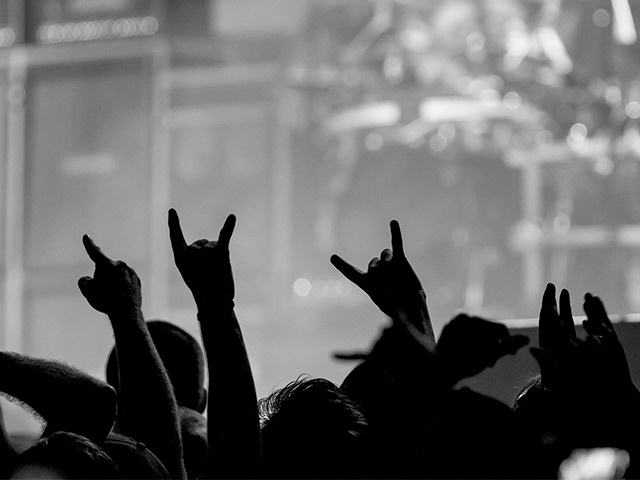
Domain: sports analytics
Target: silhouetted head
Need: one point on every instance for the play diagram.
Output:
(133, 458)
(65, 455)
(183, 359)
(195, 442)
(310, 428)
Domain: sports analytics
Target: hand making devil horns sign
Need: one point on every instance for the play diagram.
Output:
(391, 283)
(204, 265)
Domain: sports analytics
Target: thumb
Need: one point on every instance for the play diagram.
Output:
(85, 286)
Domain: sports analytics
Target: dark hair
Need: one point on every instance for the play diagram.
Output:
(183, 359)
(195, 442)
(133, 458)
(66, 455)
(311, 428)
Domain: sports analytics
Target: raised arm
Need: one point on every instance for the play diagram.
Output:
(586, 395)
(407, 350)
(588, 368)
(147, 408)
(233, 422)
(66, 398)
(395, 383)
(394, 287)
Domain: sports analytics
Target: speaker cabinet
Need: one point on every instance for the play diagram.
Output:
(87, 160)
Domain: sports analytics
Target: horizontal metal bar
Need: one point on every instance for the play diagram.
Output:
(87, 52)
(516, 323)
(217, 115)
(222, 75)
(581, 236)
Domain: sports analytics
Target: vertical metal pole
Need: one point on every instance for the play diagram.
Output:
(343, 162)
(14, 204)
(533, 260)
(4, 114)
(281, 267)
(160, 186)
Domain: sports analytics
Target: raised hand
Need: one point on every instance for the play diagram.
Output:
(608, 352)
(233, 424)
(115, 287)
(556, 336)
(468, 345)
(391, 282)
(204, 265)
(556, 330)
(146, 403)
(574, 365)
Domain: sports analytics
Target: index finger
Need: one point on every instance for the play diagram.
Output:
(226, 231)
(94, 252)
(178, 243)
(352, 273)
(549, 298)
(396, 239)
(549, 328)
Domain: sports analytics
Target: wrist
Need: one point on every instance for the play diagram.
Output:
(415, 307)
(414, 301)
(124, 311)
(209, 308)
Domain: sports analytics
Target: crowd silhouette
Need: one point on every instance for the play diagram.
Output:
(400, 413)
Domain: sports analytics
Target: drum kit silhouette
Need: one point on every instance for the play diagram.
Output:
(541, 84)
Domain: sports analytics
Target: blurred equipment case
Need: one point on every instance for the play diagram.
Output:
(64, 21)
(87, 160)
(11, 21)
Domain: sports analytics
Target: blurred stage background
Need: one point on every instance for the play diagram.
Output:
(504, 135)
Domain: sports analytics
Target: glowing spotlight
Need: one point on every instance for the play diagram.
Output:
(632, 109)
(613, 94)
(302, 287)
(438, 143)
(604, 166)
(578, 132)
(601, 18)
(373, 141)
(512, 100)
